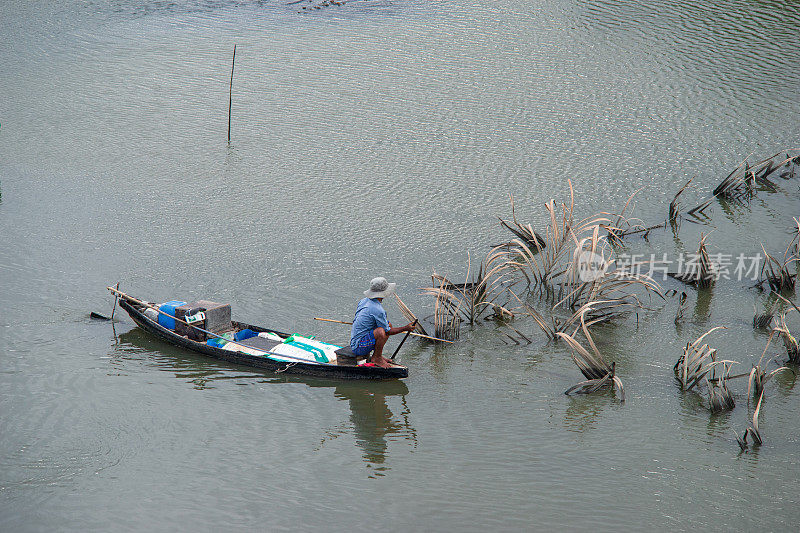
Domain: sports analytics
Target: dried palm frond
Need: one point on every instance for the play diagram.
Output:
(550, 328)
(706, 270)
(572, 264)
(541, 266)
(591, 364)
(598, 311)
(719, 396)
(763, 320)
(741, 183)
(524, 232)
(478, 294)
(674, 206)
(792, 349)
(620, 226)
(753, 429)
(700, 272)
(486, 288)
(759, 376)
(575, 263)
(776, 272)
(590, 291)
(592, 385)
(681, 308)
(446, 318)
(517, 332)
(588, 279)
(408, 315)
(696, 362)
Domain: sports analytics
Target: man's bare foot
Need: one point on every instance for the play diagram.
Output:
(382, 362)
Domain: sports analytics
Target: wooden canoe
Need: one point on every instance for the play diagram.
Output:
(341, 369)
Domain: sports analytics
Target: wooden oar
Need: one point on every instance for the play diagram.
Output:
(411, 332)
(404, 339)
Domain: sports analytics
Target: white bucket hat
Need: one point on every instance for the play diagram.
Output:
(380, 288)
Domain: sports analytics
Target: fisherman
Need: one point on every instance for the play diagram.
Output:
(371, 327)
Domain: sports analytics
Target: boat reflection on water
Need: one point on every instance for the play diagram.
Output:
(372, 421)
(201, 371)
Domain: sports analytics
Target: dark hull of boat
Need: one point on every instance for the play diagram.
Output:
(332, 371)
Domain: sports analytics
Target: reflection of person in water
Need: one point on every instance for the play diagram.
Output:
(372, 419)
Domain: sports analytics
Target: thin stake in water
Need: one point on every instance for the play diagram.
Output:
(230, 94)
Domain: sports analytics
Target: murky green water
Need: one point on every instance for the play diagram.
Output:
(373, 138)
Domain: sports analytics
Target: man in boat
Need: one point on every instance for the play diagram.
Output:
(371, 326)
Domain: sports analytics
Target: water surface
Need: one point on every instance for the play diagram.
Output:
(374, 138)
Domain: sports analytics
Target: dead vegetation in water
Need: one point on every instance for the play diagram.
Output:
(446, 317)
(573, 266)
(674, 205)
(567, 264)
(696, 361)
(471, 300)
(593, 366)
(588, 279)
(744, 179)
(752, 430)
(622, 225)
(566, 275)
(738, 187)
(763, 320)
(524, 232)
(700, 271)
(542, 266)
(760, 374)
(699, 362)
(720, 397)
(741, 184)
(776, 272)
(789, 342)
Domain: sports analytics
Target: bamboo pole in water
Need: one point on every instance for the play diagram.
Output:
(230, 94)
